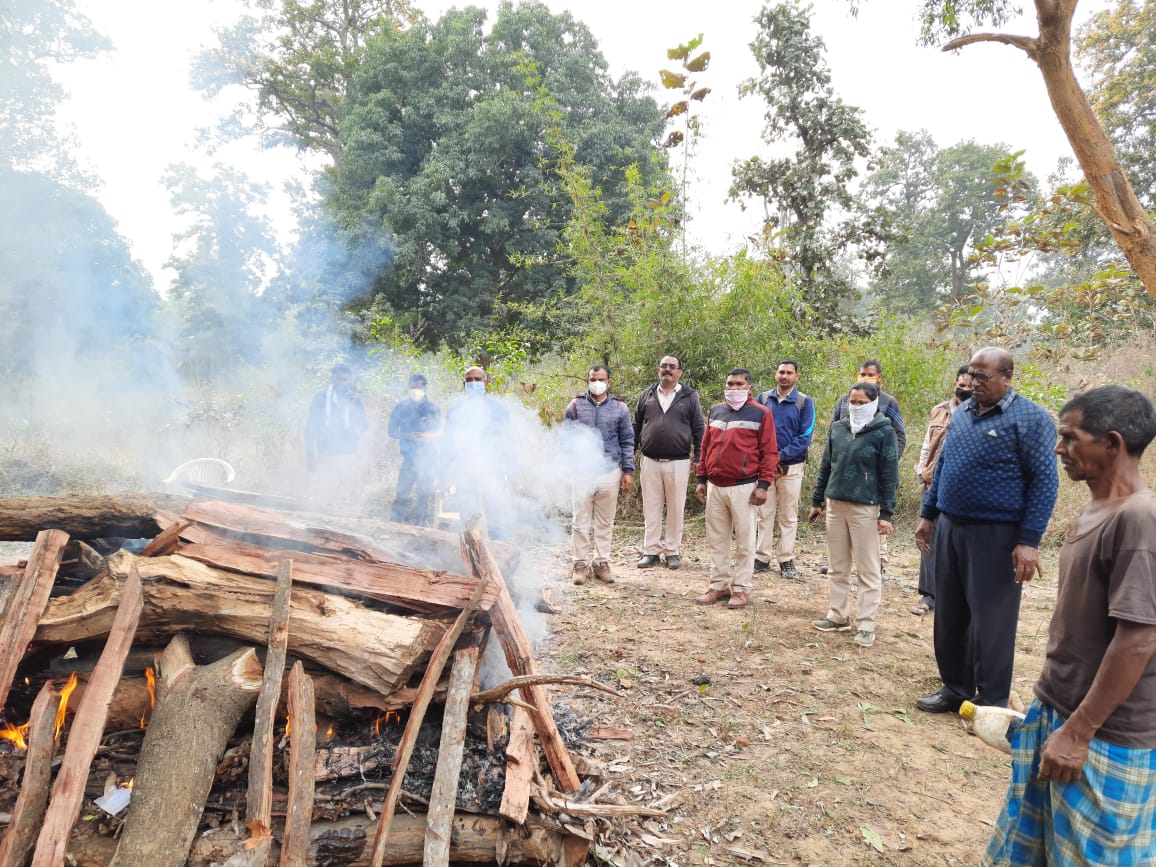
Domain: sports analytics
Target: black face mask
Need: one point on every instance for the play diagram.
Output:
(963, 394)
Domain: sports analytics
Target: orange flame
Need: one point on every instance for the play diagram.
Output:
(128, 784)
(390, 716)
(64, 694)
(16, 734)
(151, 682)
(287, 726)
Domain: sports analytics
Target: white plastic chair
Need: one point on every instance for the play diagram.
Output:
(212, 472)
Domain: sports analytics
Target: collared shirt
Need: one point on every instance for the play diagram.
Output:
(998, 467)
(664, 399)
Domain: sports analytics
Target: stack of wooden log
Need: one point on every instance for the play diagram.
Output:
(239, 613)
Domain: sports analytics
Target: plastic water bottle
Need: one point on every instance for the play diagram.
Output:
(992, 725)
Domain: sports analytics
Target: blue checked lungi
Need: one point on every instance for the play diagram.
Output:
(1107, 817)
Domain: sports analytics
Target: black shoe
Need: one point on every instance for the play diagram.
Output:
(762, 566)
(937, 702)
(788, 570)
(823, 569)
(647, 560)
(673, 561)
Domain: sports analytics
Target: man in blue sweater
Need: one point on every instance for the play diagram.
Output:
(987, 508)
(794, 414)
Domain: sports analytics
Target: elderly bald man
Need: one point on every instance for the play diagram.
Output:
(990, 499)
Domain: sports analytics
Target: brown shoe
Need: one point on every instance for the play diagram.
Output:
(580, 575)
(713, 596)
(739, 600)
(602, 573)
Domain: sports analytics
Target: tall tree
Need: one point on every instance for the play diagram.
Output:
(801, 193)
(1118, 46)
(299, 56)
(1115, 200)
(940, 202)
(34, 34)
(446, 148)
(223, 260)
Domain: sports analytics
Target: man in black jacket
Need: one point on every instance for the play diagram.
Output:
(668, 426)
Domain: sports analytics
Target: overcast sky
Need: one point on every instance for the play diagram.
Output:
(134, 113)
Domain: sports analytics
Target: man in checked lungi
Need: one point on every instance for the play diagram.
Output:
(1083, 787)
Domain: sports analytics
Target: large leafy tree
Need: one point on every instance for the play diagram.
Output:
(1118, 46)
(299, 56)
(1051, 50)
(223, 259)
(34, 34)
(939, 202)
(447, 147)
(802, 191)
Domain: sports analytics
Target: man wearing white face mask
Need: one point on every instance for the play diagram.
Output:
(594, 509)
(415, 423)
(740, 453)
(856, 489)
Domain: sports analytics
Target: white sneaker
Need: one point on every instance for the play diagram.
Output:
(864, 638)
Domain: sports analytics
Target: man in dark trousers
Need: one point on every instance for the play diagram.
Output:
(668, 426)
(1083, 787)
(987, 508)
(415, 423)
(337, 419)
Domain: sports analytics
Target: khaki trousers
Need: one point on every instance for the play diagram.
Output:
(783, 503)
(729, 512)
(853, 541)
(663, 484)
(594, 519)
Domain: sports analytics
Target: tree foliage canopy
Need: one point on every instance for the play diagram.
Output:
(801, 192)
(1118, 46)
(446, 148)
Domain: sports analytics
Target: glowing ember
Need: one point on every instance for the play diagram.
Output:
(16, 734)
(64, 694)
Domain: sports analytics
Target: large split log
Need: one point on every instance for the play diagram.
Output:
(443, 798)
(475, 840)
(133, 516)
(376, 649)
(424, 590)
(302, 761)
(198, 708)
(25, 603)
(36, 782)
(87, 727)
(365, 539)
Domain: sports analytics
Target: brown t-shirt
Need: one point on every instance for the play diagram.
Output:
(1107, 573)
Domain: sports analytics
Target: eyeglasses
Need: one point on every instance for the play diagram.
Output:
(984, 377)
(668, 367)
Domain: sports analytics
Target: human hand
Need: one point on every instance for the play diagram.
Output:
(815, 514)
(700, 492)
(924, 533)
(1064, 756)
(758, 496)
(1026, 562)
(627, 481)
(884, 527)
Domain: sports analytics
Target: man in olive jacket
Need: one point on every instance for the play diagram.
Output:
(668, 426)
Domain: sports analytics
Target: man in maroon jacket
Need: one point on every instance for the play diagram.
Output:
(737, 466)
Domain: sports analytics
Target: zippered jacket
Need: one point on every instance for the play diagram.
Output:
(794, 423)
(862, 468)
(611, 418)
(739, 446)
(670, 435)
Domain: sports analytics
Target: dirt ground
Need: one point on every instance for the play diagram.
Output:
(770, 742)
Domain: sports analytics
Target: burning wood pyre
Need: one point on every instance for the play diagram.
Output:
(224, 596)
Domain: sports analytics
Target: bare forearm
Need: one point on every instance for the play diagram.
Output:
(1124, 662)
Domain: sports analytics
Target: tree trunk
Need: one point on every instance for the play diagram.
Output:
(198, 708)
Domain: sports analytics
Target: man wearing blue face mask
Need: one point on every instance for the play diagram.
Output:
(415, 423)
(594, 509)
(474, 449)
